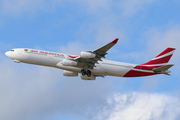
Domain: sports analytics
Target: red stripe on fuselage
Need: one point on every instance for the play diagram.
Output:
(143, 67)
(134, 73)
(139, 73)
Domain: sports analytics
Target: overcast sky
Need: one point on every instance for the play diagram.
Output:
(144, 28)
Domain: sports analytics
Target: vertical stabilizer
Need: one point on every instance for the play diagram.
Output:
(162, 58)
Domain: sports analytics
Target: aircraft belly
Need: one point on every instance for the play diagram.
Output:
(69, 68)
(95, 71)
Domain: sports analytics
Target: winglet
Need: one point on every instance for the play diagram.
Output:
(115, 41)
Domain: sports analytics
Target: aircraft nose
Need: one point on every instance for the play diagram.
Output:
(7, 53)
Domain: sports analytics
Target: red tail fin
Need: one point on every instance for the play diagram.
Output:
(162, 58)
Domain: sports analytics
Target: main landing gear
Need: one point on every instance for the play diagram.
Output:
(84, 72)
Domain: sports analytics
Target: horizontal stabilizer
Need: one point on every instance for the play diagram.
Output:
(167, 74)
(163, 68)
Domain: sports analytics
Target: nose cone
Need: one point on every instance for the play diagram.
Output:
(7, 53)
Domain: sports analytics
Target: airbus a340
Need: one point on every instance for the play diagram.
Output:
(90, 63)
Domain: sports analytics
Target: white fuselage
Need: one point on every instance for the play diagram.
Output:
(52, 59)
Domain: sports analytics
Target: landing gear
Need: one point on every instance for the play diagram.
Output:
(84, 72)
(88, 73)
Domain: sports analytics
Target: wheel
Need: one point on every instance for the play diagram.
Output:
(83, 72)
(88, 73)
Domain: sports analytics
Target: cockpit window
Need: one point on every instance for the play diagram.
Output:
(12, 50)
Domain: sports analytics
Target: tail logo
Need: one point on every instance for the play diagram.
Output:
(154, 65)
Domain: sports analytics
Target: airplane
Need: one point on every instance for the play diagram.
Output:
(90, 63)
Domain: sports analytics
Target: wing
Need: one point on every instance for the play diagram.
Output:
(88, 59)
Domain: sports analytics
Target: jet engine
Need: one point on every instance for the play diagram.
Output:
(66, 62)
(70, 73)
(85, 54)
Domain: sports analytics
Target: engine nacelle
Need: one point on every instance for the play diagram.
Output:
(66, 62)
(85, 77)
(85, 54)
(17, 61)
(70, 73)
